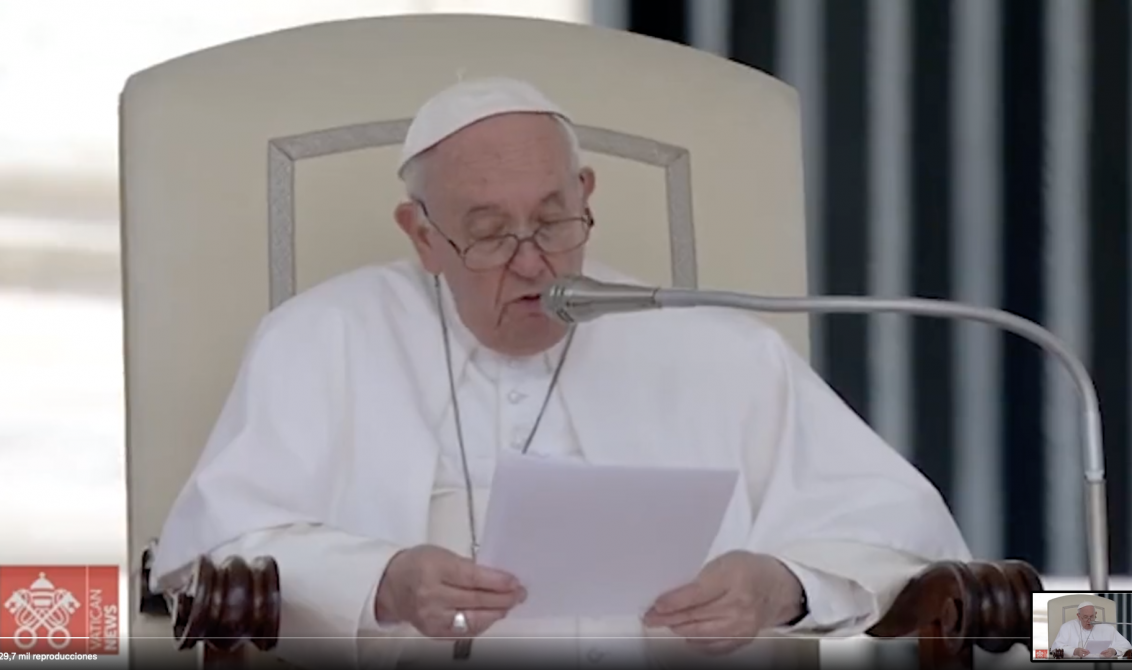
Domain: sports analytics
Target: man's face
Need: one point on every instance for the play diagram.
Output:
(510, 173)
(1086, 615)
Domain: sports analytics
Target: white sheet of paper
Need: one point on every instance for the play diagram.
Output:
(1095, 647)
(599, 540)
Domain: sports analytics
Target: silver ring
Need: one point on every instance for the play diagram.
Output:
(460, 623)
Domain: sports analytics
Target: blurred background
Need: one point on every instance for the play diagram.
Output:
(968, 149)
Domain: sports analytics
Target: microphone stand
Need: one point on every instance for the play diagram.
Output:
(582, 298)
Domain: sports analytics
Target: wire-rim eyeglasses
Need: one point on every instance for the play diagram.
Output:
(556, 236)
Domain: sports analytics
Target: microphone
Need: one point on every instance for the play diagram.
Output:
(577, 298)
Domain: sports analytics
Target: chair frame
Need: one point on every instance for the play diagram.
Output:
(951, 607)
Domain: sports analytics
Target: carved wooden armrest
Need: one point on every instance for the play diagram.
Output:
(225, 607)
(953, 607)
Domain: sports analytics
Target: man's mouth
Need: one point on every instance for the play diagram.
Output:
(528, 304)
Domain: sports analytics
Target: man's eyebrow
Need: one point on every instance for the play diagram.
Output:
(553, 198)
(480, 210)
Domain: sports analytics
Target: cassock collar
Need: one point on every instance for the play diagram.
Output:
(466, 347)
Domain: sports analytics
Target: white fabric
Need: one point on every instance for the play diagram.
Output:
(1084, 605)
(467, 102)
(1072, 635)
(500, 398)
(339, 425)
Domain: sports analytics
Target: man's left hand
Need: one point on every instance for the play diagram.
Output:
(736, 596)
(1107, 653)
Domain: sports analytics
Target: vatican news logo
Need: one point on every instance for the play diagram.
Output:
(59, 609)
(1041, 653)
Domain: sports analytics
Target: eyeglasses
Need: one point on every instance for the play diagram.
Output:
(552, 237)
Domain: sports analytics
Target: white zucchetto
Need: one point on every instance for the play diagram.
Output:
(467, 102)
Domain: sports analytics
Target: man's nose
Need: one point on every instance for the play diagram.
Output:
(528, 260)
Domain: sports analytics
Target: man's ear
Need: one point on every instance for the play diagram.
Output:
(589, 181)
(411, 222)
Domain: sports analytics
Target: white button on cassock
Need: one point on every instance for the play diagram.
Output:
(516, 397)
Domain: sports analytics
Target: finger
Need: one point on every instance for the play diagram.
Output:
(466, 574)
(714, 609)
(470, 599)
(681, 618)
(479, 621)
(695, 594)
(717, 647)
(705, 630)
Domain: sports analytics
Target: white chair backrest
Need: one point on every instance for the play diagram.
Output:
(255, 169)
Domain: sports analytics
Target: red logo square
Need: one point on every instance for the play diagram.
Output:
(1041, 653)
(59, 609)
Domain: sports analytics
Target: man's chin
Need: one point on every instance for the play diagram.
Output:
(532, 335)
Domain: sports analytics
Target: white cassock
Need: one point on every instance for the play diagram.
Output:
(1072, 635)
(337, 448)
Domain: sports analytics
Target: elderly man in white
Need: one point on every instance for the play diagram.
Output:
(1085, 636)
(370, 409)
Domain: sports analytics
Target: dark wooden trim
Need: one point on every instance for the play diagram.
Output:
(952, 607)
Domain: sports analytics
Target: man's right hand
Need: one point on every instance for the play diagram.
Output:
(1080, 652)
(426, 585)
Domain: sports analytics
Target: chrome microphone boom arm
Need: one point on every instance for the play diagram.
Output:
(577, 298)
